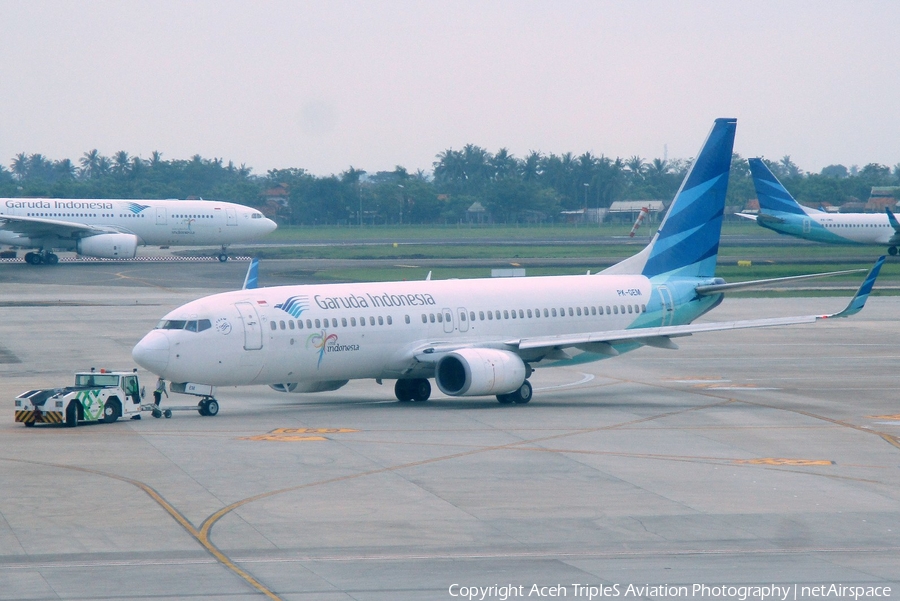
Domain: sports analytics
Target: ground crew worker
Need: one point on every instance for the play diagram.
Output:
(160, 390)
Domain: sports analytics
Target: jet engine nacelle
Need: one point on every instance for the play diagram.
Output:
(108, 246)
(309, 386)
(479, 371)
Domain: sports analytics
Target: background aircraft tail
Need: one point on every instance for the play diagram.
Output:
(773, 197)
(687, 241)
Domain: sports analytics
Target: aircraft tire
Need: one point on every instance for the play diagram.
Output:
(223, 258)
(420, 390)
(212, 407)
(892, 251)
(34, 258)
(403, 390)
(51, 259)
(504, 399)
(523, 394)
(201, 407)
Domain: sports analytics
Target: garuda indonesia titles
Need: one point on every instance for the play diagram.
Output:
(113, 229)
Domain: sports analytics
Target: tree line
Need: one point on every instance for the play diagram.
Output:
(533, 189)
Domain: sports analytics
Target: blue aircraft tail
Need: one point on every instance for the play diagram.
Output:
(773, 197)
(687, 242)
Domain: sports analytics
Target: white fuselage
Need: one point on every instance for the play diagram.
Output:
(374, 330)
(153, 222)
(833, 228)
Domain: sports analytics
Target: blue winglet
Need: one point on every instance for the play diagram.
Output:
(252, 279)
(862, 295)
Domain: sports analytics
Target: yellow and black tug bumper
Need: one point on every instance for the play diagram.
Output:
(36, 416)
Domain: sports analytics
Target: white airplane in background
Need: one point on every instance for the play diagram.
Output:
(113, 229)
(779, 212)
(474, 337)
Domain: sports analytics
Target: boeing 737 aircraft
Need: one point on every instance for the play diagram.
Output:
(779, 212)
(113, 229)
(473, 337)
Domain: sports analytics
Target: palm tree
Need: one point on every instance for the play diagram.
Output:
(65, 169)
(531, 166)
(121, 162)
(636, 166)
(19, 166)
(504, 164)
(90, 163)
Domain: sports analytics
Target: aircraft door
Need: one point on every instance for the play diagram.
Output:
(806, 225)
(253, 336)
(448, 320)
(668, 306)
(463, 323)
(160, 215)
(230, 217)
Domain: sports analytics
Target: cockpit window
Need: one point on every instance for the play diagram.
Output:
(256, 216)
(171, 324)
(193, 325)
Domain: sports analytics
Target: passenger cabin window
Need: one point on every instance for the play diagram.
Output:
(274, 325)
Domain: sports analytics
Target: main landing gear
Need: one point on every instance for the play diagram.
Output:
(223, 256)
(45, 257)
(418, 389)
(520, 396)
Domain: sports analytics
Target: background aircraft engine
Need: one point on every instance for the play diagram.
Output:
(309, 386)
(108, 246)
(477, 371)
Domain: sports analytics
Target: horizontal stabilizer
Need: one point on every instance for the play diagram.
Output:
(717, 288)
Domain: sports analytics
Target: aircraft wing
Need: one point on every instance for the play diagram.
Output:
(661, 336)
(39, 227)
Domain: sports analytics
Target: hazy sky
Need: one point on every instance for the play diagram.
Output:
(326, 85)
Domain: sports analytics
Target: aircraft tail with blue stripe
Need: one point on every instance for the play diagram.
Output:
(687, 242)
(774, 198)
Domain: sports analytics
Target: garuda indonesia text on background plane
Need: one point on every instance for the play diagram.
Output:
(473, 337)
(779, 212)
(113, 229)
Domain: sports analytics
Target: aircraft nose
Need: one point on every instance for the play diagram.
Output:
(152, 352)
(269, 225)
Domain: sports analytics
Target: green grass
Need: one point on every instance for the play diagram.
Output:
(408, 245)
